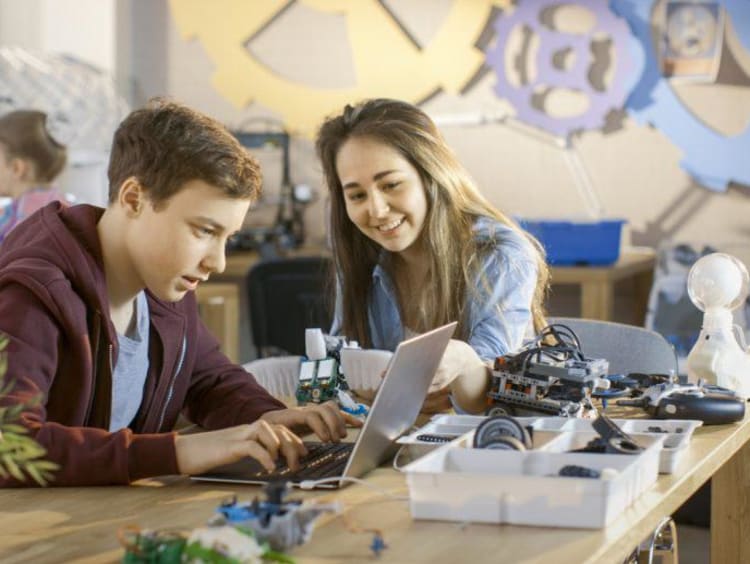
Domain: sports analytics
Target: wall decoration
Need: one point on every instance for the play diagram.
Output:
(693, 34)
(82, 104)
(713, 159)
(386, 61)
(628, 62)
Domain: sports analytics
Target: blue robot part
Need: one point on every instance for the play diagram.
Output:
(378, 544)
(282, 524)
(348, 405)
(712, 159)
(628, 66)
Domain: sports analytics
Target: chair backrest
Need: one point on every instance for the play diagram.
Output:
(286, 296)
(278, 375)
(627, 348)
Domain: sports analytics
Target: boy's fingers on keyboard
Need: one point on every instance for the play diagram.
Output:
(315, 421)
(325, 420)
(350, 419)
(268, 436)
(257, 451)
(334, 419)
(291, 447)
(299, 443)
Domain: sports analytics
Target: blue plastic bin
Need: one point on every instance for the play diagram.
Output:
(595, 243)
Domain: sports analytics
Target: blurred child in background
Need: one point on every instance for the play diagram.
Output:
(30, 160)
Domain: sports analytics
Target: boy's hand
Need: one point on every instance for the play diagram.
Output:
(326, 420)
(261, 440)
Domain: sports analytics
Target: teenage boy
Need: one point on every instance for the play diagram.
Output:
(102, 321)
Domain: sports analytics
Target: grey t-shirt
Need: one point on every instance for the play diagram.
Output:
(131, 368)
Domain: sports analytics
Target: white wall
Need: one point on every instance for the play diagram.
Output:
(83, 28)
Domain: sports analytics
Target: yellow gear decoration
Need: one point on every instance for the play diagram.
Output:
(386, 62)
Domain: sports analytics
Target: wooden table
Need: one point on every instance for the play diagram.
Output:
(80, 524)
(598, 282)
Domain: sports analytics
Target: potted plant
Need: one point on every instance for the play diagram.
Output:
(20, 455)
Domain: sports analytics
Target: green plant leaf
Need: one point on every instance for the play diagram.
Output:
(13, 428)
(46, 465)
(14, 411)
(34, 472)
(274, 556)
(19, 452)
(10, 465)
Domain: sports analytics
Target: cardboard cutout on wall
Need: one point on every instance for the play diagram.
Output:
(386, 61)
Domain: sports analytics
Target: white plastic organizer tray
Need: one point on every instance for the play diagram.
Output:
(677, 432)
(455, 482)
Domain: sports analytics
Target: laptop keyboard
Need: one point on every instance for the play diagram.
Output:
(322, 460)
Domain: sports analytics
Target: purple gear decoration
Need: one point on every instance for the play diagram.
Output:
(629, 63)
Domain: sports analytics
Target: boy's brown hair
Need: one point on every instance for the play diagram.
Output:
(165, 144)
(24, 135)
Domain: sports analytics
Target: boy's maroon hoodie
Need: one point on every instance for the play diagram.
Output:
(63, 346)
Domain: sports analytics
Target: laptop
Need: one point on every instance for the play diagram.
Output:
(394, 411)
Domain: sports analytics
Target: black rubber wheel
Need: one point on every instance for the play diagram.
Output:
(501, 409)
(500, 426)
(505, 443)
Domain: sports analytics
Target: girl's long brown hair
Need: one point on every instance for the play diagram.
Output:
(454, 204)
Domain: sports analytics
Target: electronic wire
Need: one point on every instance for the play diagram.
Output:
(396, 466)
(310, 484)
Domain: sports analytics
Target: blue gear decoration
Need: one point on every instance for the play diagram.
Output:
(712, 159)
(629, 62)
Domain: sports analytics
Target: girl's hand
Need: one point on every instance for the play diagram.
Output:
(464, 374)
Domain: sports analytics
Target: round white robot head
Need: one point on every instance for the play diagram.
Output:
(718, 280)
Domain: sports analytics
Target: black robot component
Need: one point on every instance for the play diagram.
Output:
(611, 439)
(288, 230)
(551, 376)
(575, 471)
(712, 409)
(711, 404)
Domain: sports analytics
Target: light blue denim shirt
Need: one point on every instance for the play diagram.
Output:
(499, 308)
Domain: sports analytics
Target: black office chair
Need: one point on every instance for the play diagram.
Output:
(287, 296)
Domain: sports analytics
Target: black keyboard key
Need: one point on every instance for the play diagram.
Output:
(322, 460)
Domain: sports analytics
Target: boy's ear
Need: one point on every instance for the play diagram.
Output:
(132, 196)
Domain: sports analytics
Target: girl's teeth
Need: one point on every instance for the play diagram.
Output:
(390, 226)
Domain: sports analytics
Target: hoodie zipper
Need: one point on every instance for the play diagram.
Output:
(170, 391)
(111, 364)
(95, 369)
